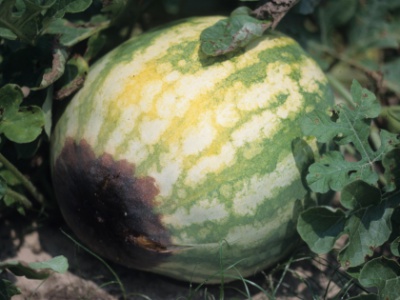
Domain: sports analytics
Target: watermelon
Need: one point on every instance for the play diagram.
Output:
(185, 165)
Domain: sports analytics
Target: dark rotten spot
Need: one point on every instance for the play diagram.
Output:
(108, 208)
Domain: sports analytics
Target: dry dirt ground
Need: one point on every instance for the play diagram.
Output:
(88, 278)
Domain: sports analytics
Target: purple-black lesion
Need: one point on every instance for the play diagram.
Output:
(108, 208)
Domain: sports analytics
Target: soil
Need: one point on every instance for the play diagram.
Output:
(89, 278)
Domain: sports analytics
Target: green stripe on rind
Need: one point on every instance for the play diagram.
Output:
(258, 96)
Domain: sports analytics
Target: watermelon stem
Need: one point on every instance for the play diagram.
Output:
(18, 197)
(24, 181)
(285, 270)
(339, 87)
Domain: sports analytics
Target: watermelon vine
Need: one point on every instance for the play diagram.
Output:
(369, 197)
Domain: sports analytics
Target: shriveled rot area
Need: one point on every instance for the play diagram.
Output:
(108, 207)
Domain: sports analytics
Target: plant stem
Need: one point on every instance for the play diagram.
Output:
(281, 278)
(380, 81)
(20, 198)
(338, 86)
(16, 31)
(275, 10)
(25, 181)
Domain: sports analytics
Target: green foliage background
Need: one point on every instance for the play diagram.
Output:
(47, 47)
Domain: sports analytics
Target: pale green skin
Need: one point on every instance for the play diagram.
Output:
(220, 150)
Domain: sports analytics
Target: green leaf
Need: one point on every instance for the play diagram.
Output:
(37, 270)
(367, 105)
(7, 34)
(391, 289)
(60, 56)
(367, 229)
(23, 18)
(319, 227)
(332, 14)
(391, 73)
(293, 25)
(395, 247)
(28, 150)
(391, 163)
(324, 129)
(61, 7)
(172, 6)
(95, 43)
(21, 210)
(9, 201)
(24, 126)
(374, 26)
(352, 126)
(358, 195)
(57, 264)
(307, 7)
(116, 9)
(229, 35)
(8, 289)
(26, 19)
(73, 33)
(333, 172)
(303, 156)
(384, 274)
(354, 271)
(9, 177)
(73, 78)
(368, 225)
(3, 187)
(391, 115)
(317, 123)
(20, 124)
